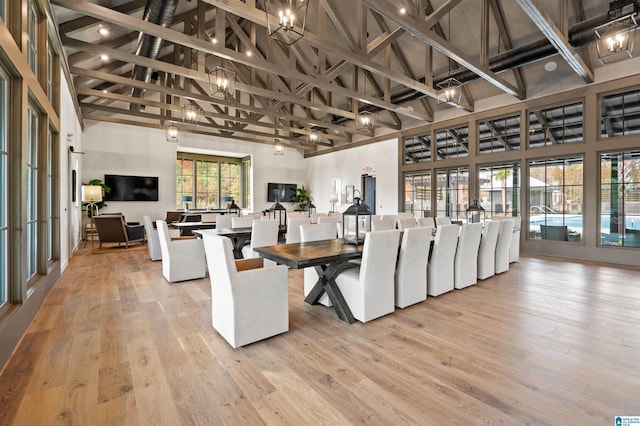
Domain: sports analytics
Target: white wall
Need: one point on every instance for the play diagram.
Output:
(348, 165)
(131, 150)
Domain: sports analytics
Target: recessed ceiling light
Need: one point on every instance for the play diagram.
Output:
(104, 57)
(403, 10)
(249, 53)
(213, 40)
(102, 30)
(105, 91)
(550, 66)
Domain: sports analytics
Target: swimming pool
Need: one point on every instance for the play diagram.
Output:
(574, 222)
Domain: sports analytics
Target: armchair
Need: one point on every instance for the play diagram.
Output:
(246, 305)
(113, 229)
(182, 259)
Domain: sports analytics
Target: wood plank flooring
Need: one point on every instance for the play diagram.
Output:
(547, 343)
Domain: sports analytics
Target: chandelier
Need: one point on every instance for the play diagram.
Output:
(222, 82)
(291, 19)
(172, 133)
(191, 114)
(614, 40)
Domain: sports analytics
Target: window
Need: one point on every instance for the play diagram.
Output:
(417, 149)
(556, 199)
(417, 193)
(32, 193)
(4, 195)
(208, 179)
(3, 10)
(555, 125)
(49, 73)
(32, 36)
(619, 114)
(246, 179)
(452, 193)
(499, 134)
(452, 142)
(51, 219)
(620, 199)
(500, 189)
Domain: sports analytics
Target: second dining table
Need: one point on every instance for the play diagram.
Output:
(328, 257)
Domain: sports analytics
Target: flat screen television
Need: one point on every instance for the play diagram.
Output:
(131, 188)
(285, 192)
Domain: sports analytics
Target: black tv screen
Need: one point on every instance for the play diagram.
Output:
(285, 192)
(131, 188)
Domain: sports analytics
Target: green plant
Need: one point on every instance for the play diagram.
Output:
(303, 198)
(105, 189)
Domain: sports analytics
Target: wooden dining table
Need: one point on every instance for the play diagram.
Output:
(238, 237)
(328, 257)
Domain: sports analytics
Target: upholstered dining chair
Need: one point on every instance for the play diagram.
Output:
(503, 244)
(224, 221)
(466, 260)
(440, 270)
(242, 221)
(382, 224)
(264, 232)
(369, 290)
(405, 223)
(153, 241)
(316, 232)
(248, 302)
(411, 270)
(426, 221)
(442, 220)
(487, 250)
(182, 258)
(293, 228)
(514, 248)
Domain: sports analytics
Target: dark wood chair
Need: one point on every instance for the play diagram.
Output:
(113, 229)
(554, 232)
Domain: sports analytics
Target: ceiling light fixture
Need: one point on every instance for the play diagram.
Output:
(291, 21)
(278, 148)
(449, 90)
(104, 57)
(103, 31)
(171, 132)
(365, 120)
(614, 40)
(191, 114)
(403, 10)
(312, 137)
(222, 82)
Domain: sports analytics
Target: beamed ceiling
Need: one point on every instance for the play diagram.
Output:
(356, 55)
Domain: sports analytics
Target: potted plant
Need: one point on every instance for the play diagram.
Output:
(303, 198)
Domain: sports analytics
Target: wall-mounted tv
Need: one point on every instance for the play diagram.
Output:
(131, 188)
(285, 192)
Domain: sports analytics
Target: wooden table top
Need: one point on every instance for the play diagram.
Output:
(302, 255)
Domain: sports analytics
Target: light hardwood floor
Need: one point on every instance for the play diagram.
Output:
(547, 343)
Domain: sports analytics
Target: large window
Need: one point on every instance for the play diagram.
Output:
(620, 199)
(208, 179)
(620, 114)
(31, 259)
(452, 142)
(453, 193)
(555, 125)
(499, 134)
(500, 189)
(556, 199)
(417, 193)
(417, 149)
(32, 36)
(4, 196)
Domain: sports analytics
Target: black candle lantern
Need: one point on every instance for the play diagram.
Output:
(475, 213)
(311, 209)
(356, 221)
(277, 211)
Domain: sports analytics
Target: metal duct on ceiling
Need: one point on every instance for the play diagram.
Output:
(159, 12)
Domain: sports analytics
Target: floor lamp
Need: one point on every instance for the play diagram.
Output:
(92, 194)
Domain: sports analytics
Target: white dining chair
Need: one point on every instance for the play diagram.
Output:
(440, 270)
(503, 244)
(514, 248)
(243, 221)
(382, 224)
(487, 250)
(369, 289)
(466, 260)
(443, 220)
(426, 221)
(393, 217)
(153, 241)
(293, 228)
(405, 215)
(183, 258)
(316, 232)
(411, 271)
(247, 305)
(264, 232)
(405, 223)
(224, 221)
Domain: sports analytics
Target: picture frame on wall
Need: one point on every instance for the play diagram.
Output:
(348, 192)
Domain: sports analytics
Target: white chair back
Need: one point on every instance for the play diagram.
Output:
(382, 225)
(329, 219)
(370, 289)
(224, 221)
(514, 248)
(440, 270)
(405, 215)
(406, 223)
(293, 228)
(316, 216)
(443, 220)
(249, 305)
(153, 241)
(393, 217)
(181, 259)
(466, 261)
(487, 250)
(208, 217)
(411, 271)
(263, 233)
(426, 221)
(243, 221)
(503, 244)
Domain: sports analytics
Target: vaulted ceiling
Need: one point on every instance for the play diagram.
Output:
(355, 56)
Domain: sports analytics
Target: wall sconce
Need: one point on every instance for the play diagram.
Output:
(614, 40)
(172, 133)
(449, 92)
(191, 114)
(278, 148)
(365, 121)
(222, 82)
(292, 19)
